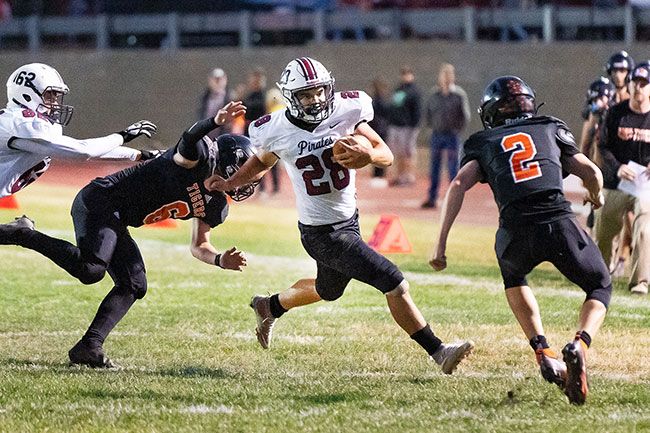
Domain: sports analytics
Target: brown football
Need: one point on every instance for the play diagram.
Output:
(338, 149)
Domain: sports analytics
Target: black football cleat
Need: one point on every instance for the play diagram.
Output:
(553, 370)
(82, 354)
(577, 386)
(9, 232)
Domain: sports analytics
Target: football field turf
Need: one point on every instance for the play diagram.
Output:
(191, 362)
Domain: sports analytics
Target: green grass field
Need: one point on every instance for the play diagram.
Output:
(191, 362)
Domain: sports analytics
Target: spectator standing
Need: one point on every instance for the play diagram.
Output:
(255, 96)
(381, 104)
(255, 102)
(404, 119)
(215, 98)
(625, 139)
(447, 114)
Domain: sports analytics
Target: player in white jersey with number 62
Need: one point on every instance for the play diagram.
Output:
(31, 130)
(303, 136)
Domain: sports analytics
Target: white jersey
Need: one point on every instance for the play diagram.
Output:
(325, 191)
(28, 141)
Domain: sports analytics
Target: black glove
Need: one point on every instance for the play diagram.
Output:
(143, 127)
(146, 155)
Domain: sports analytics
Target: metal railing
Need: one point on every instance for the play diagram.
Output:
(244, 27)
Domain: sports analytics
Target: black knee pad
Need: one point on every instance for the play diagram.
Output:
(139, 285)
(91, 273)
(329, 293)
(603, 294)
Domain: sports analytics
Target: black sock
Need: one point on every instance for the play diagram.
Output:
(539, 342)
(277, 310)
(585, 337)
(425, 338)
(114, 306)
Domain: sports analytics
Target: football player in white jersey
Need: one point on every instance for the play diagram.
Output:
(303, 136)
(31, 130)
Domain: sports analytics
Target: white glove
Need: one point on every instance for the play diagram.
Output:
(143, 127)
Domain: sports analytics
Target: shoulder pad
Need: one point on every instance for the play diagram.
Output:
(561, 123)
(36, 127)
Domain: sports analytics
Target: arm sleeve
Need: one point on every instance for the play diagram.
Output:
(188, 143)
(68, 147)
(121, 153)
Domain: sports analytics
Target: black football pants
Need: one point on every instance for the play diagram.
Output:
(103, 245)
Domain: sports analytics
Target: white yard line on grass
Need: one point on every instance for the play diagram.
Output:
(307, 266)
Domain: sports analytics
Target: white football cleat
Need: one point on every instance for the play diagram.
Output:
(448, 356)
(265, 320)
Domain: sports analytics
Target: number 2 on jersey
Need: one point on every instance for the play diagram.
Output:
(520, 166)
(339, 175)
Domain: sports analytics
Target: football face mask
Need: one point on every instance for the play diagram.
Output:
(232, 152)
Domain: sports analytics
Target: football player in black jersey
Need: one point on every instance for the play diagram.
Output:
(170, 186)
(523, 157)
(600, 96)
(618, 68)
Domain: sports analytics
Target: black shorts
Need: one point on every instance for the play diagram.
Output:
(341, 255)
(563, 243)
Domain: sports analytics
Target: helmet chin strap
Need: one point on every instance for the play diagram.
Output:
(20, 104)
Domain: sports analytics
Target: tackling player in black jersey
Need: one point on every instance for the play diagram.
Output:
(523, 157)
(170, 186)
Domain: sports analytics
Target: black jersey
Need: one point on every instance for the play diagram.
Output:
(625, 137)
(160, 189)
(522, 163)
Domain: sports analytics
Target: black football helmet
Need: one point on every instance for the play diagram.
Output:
(601, 87)
(506, 97)
(642, 70)
(232, 152)
(619, 60)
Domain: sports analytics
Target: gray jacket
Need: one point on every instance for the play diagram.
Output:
(447, 113)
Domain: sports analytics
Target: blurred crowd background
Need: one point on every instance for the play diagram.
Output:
(83, 7)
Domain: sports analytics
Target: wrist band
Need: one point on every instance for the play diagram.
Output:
(217, 261)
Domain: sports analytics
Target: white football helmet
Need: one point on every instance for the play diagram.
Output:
(306, 73)
(40, 88)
